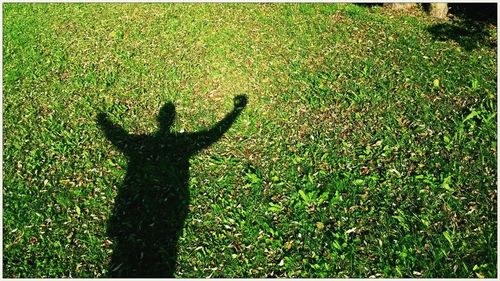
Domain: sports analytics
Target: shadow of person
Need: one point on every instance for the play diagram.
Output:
(152, 203)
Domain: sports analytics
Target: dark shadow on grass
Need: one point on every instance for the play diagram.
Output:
(470, 27)
(152, 203)
(478, 12)
(470, 35)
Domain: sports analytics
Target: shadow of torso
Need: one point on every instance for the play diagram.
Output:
(150, 207)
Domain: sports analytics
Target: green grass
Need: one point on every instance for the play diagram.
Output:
(368, 146)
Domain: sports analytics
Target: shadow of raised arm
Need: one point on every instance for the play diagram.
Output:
(114, 133)
(205, 138)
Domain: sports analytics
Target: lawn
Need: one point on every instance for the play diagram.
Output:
(367, 147)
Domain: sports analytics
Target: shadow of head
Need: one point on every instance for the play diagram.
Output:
(166, 117)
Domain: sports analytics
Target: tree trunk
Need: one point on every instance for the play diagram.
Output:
(438, 10)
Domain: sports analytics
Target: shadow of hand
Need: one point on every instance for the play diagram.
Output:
(240, 101)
